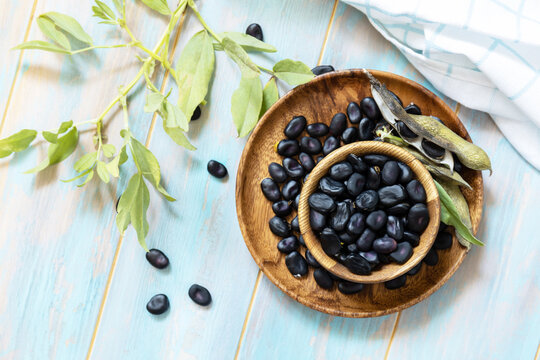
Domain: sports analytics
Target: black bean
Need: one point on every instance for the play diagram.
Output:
(376, 159)
(418, 218)
(311, 259)
(277, 172)
(348, 288)
(331, 187)
(295, 225)
(281, 208)
(296, 264)
(415, 270)
(338, 124)
(384, 245)
(356, 224)
(216, 169)
(288, 245)
(196, 113)
(373, 179)
(370, 109)
(357, 264)
(347, 238)
(442, 226)
(330, 144)
(319, 158)
(330, 242)
(288, 147)
(279, 226)
(413, 109)
(402, 253)
(405, 131)
(158, 304)
(367, 201)
(443, 241)
(340, 171)
(350, 135)
(355, 184)
(365, 241)
(296, 201)
(396, 283)
(365, 129)
(293, 168)
(340, 217)
(391, 195)
(305, 177)
(432, 258)
(371, 257)
(354, 113)
(317, 129)
(383, 258)
(322, 69)
(295, 127)
(376, 220)
(411, 238)
(399, 209)
(357, 163)
(394, 228)
(317, 220)
(255, 30)
(157, 258)
(323, 279)
(200, 295)
(416, 191)
(458, 166)
(432, 149)
(270, 189)
(390, 173)
(352, 248)
(396, 97)
(290, 190)
(310, 145)
(406, 173)
(301, 240)
(306, 161)
(321, 203)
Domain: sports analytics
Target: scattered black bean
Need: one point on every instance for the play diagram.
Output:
(295, 225)
(270, 189)
(390, 173)
(376, 220)
(349, 288)
(350, 135)
(402, 253)
(432, 258)
(399, 209)
(319, 158)
(340, 217)
(158, 304)
(458, 166)
(317, 129)
(354, 113)
(281, 208)
(301, 240)
(317, 220)
(330, 242)
(418, 218)
(376, 159)
(413, 109)
(200, 295)
(411, 238)
(416, 191)
(367, 201)
(365, 129)
(415, 270)
(157, 258)
(370, 109)
(290, 190)
(310, 145)
(311, 259)
(293, 168)
(391, 195)
(279, 226)
(338, 124)
(323, 279)
(406, 173)
(432, 149)
(371, 257)
(340, 171)
(357, 264)
(396, 97)
(443, 241)
(373, 179)
(295, 127)
(296, 201)
(394, 228)
(330, 144)
(396, 283)
(288, 147)
(306, 161)
(357, 224)
(277, 172)
(322, 69)
(196, 113)
(355, 184)
(255, 30)
(357, 163)
(384, 245)
(216, 169)
(296, 264)
(365, 241)
(288, 245)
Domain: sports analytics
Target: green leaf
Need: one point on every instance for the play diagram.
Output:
(158, 5)
(102, 172)
(246, 104)
(154, 100)
(41, 45)
(118, 5)
(17, 142)
(69, 25)
(86, 162)
(270, 95)
(99, 13)
(53, 137)
(148, 166)
(108, 22)
(248, 68)
(106, 9)
(108, 150)
(48, 29)
(112, 166)
(78, 176)
(88, 178)
(65, 126)
(194, 71)
(60, 151)
(178, 136)
(247, 42)
(293, 72)
(173, 116)
(132, 208)
(123, 156)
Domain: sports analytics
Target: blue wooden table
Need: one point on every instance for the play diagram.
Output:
(72, 287)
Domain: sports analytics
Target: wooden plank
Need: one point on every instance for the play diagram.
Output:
(58, 241)
(489, 308)
(200, 232)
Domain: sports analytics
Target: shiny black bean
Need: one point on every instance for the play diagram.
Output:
(384, 245)
(331, 187)
(317, 129)
(376, 220)
(270, 189)
(458, 166)
(405, 131)
(347, 238)
(305, 177)
(432, 149)
(376, 159)
(418, 218)
(216, 169)
(296, 201)
(370, 109)
(354, 113)
(355, 184)
(365, 129)
(443, 241)
(390, 173)
(367, 201)
(399, 209)
(196, 113)
(293, 168)
(255, 30)
(357, 224)
(281, 208)
(323, 279)
(349, 202)
(340, 217)
(406, 174)
(296, 264)
(365, 241)
(200, 295)
(288, 245)
(277, 172)
(442, 226)
(279, 226)
(301, 240)
(391, 195)
(373, 179)
(432, 258)
(288, 147)
(411, 238)
(321, 203)
(319, 158)
(330, 241)
(416, 191)
(394, 228)
(370, 256)
(415, 270)
(338, 124)
(349, 288)
(306, 161)
(157, 258)
(295, 127)
(396, 97)
(317, 220)
(310, 145)
(396, 283)
(311, 259)
(357, 264)
(412, 108)
(402, 253)
(322, 69)
(290, 190)
(350, 135)
(295, 224)
(403, 219)
(352, 248)
(357, 163)
(330, 144)
(340, 171)
(158, 304)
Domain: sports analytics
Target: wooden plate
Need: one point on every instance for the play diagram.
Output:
(318, 101)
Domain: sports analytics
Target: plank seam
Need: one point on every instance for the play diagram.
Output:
(537, 352)
(19, 65)
(328, 29)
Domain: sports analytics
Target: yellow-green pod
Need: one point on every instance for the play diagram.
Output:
(462, 207)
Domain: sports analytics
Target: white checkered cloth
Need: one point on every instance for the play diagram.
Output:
(484, 54)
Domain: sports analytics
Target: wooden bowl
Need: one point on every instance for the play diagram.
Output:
(318, 101)
(388, 271)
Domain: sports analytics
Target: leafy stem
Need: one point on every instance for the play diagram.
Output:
(100, 47)
(203, 23)
(266, 70)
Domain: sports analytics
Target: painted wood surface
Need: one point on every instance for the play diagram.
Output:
(59, 242)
